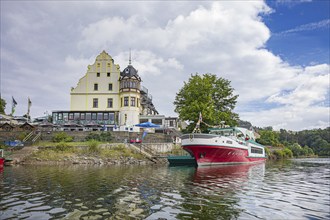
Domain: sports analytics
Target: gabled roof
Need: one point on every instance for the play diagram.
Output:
(6, 125)
(26, 124)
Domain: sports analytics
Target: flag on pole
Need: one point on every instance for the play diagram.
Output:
(29, 105)
(14, 103)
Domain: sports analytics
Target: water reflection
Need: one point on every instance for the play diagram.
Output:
(217, 189)
(288, 189)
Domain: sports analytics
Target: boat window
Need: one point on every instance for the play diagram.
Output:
(223, 132)
(255, 150)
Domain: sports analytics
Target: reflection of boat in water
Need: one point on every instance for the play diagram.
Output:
(229, 145)
(2, 159)
(228, 173)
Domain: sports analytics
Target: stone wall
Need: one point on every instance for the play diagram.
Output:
(118, 137)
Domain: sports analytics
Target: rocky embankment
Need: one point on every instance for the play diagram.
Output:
(31, 155)
(89, 160)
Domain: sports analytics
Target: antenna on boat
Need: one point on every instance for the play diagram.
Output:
(197, 127)
(222, 124)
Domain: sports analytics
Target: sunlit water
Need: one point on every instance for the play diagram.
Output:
(297, 189)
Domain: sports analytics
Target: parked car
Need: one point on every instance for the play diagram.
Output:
(135, 141)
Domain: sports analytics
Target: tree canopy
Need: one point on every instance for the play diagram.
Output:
(209, 95)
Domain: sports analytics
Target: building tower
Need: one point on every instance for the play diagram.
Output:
(129, 95)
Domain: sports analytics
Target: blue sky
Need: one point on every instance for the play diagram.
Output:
(275, 53)
(300, 30)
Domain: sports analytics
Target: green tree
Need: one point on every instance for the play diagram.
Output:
(2, 106)
(211, 96)
(296, 149)
(268, 137)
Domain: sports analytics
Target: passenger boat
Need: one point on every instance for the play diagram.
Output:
(225, 145)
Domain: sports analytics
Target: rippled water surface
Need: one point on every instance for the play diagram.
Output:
(296, 189)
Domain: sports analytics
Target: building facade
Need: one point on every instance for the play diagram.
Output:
(107, 97)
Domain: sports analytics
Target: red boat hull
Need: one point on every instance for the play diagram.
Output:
(213, 155)
(2, 161)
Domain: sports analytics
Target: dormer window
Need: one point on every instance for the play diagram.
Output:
(126, 70)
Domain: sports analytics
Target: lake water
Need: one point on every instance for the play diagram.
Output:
(295, 189)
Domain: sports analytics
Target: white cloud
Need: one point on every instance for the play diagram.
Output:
(44, 53)
(308, 27)
(291, 3)
(313, 86)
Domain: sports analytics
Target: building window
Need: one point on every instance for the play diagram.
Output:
(108, 74)
(98, 64)
(97, 74)
(137, 102)
(126, 101)
(132, 101)
(76, 116)
(105, 116)
(95, 103)
(65, 116)
(99, 116)
(110, 102)
(94, 116)
(110, 86)
(157, 121)
(82, 116)
(70, 116)
(96, 86)
(112, 117)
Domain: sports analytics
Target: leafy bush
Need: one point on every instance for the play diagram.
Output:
(93, 146)
(104, 136)
(22, 135)
(63, 146)
(287, 153)
(62, 137)
(279, 154)
(3, 147)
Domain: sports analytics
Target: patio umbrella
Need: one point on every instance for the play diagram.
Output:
(147, 125)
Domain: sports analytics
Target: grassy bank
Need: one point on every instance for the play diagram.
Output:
(56, 151)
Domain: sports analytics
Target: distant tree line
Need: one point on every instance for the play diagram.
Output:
(301, 143)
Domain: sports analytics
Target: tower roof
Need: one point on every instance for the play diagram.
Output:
(130, 72)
